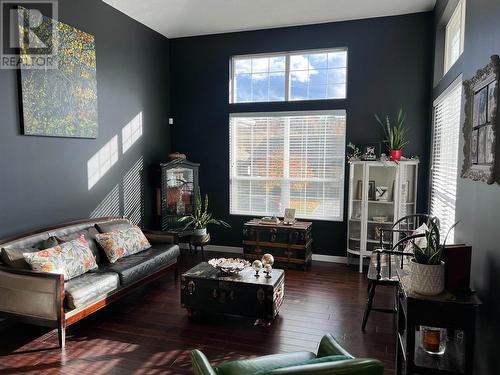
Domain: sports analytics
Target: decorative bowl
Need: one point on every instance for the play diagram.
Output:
(229, 265)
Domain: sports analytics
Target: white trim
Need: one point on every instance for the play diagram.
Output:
(325, 112)
(450, 88)
(239, 250)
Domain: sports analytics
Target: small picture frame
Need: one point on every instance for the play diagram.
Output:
(371, 190)
(382, 193)
(370, 152)
(289, 217)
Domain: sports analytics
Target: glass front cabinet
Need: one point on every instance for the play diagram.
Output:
(380, 193)
(179, 182)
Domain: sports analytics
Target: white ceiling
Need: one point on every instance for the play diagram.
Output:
(179, 18)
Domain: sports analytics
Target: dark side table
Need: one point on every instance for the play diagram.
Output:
(456, 313)
(199, 241)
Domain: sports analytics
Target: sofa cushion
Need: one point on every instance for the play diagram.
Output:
(89, 287)
(110, 226)
(137, 266)
(122, 243)
(269, 362)
(71, 259)
(89, 234)
(13, 257)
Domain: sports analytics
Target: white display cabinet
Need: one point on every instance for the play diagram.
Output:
(380, 193)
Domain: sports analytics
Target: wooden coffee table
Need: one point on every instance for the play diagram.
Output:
(205, 289)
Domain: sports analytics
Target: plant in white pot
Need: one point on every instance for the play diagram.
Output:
(200, 218)
(427, 266)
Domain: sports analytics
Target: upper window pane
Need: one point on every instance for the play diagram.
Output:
(289, 76)
(454, 36)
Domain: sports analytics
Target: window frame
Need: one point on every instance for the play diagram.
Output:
(443, 96)
(341, 180)
(287, 55)
(461, 6)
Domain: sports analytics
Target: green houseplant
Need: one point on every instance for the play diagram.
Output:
(395, 134)
(200, 218)
(427, 266)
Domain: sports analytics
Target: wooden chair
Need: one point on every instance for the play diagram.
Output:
(384, 259)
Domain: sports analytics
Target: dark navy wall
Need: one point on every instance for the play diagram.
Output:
(43, 180)
(478, 204)
(390, 65)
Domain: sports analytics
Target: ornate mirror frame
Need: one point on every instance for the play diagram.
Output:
(487, 171)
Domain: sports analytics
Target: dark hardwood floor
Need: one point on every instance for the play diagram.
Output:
(149, 333)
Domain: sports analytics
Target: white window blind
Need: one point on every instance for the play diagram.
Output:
(444, 167)
(288, 160)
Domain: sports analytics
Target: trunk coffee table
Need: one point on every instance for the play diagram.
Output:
(205, 289)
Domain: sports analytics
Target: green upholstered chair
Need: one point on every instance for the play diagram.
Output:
(331, 359)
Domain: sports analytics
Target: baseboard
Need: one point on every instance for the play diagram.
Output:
(239, 250)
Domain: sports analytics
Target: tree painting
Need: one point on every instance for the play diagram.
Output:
(62, 102)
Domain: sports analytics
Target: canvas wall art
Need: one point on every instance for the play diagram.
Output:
(62, 102)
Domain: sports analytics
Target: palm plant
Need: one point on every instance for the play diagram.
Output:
(200, 218)
(395, 135)
(432, 253)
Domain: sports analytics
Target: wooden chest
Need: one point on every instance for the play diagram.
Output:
(203, 288)
(291, 245)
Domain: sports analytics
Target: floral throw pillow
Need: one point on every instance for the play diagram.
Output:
(72, 259)
(121, 243)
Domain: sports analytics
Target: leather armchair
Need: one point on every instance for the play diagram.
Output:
(330, 359)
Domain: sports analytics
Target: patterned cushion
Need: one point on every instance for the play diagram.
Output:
(89, 234)
(72, 259)
(14, 257)
(120, 243)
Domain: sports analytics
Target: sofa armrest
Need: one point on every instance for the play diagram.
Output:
(159, 237)
(201, 365)
(31, 294)
(330, 346)
(357, 366)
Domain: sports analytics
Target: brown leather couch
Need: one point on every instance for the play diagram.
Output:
(46, 299)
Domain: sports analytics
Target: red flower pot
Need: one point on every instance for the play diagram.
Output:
(396, 154)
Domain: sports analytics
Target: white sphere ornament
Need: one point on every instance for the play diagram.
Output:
(267, 270)
(267, 259)
(257, 266)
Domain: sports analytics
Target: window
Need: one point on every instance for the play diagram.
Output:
(307, 75)
(454, 36)
(280, 160)
(444, 163)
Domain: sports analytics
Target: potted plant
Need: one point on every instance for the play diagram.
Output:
(395, 134)
(427, 266)
(200, 218)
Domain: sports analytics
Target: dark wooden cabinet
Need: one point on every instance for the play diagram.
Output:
(454, 313)
(291, 245)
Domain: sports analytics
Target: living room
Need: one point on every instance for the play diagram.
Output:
(249, 187)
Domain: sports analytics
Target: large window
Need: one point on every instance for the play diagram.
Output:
(454, 36)
(444, 164)
(280, 160)
(310, 75)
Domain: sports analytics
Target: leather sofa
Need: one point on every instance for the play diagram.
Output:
(47, 299)
(331, 358)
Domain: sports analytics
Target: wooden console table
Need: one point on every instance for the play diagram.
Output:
(456, 313)
(289, 244)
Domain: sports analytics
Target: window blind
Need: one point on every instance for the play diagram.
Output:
(288, 160)
(444, 165)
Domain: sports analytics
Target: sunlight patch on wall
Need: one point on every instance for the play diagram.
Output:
(110, 206)
(133, 192)
(102, 161)
(131, 132)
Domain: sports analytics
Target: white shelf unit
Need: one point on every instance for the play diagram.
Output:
(400, 178)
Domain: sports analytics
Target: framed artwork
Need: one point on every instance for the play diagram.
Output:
(370, 151)
(371, 190)
(62, 102)
(480, 124)
(382, 193)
